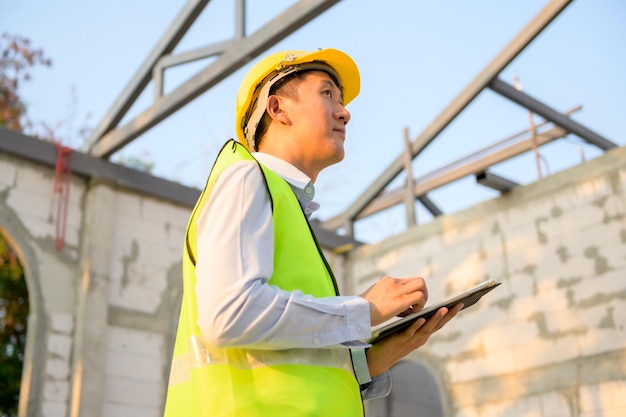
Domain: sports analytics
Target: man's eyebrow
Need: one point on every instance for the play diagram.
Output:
(330, 83)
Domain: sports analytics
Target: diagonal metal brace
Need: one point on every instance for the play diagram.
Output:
(549, 113)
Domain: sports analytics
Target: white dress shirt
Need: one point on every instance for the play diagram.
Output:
(235, 246)
(235, 243)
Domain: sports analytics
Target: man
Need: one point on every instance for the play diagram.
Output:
(263, 330)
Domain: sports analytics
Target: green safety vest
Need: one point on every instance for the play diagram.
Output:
(207, 381)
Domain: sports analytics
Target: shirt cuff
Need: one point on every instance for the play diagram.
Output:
(379, 387)
(359, 324)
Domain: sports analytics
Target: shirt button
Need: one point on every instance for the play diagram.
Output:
(308, 190)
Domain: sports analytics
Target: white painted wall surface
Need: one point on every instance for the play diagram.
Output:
(557, 323)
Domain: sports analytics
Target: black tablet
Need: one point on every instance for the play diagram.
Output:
(468, 298)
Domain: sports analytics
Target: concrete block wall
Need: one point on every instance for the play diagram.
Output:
(143, 297)
(551, 340)
(104, 310)
(28, 213)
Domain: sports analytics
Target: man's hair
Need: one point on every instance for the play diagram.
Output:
(287, 87)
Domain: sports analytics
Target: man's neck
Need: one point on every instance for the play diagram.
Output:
(288, 155)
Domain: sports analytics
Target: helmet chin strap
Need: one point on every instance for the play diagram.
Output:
(260, 102)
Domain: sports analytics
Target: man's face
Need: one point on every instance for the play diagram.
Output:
(318, 120)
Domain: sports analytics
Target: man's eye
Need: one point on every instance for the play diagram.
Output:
(328, 93)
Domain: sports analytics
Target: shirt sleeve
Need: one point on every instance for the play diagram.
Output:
(236, 305)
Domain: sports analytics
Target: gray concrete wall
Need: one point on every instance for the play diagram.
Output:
(550, 341)
(104, 310)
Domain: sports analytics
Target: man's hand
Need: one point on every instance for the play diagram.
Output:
(384, 354)
(390, 297)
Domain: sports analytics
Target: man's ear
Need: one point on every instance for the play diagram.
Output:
(276, 110)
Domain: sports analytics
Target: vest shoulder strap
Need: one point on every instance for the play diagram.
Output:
(231, 152)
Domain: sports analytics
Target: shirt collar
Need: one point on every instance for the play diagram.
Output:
(288, 172)
(299, 181)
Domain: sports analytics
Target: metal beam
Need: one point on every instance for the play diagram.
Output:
(496, 182)
(168, 61)
(550, 114)
(429, 205)
(525, 37)
(409, 198)
(239, 54)
(476, 162)
(459, 170)
(240, 19)
(142, 77)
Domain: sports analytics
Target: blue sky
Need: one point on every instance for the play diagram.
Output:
(415, 57)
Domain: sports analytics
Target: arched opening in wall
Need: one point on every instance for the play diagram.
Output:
(14, 311)
(414, 393)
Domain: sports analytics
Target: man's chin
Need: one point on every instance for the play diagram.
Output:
(339, 156)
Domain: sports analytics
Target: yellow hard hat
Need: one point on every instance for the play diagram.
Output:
(254, 88)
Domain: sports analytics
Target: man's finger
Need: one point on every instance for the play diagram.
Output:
(449, 316)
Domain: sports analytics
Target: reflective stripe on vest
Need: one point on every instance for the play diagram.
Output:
(202, 354)
(208, 381)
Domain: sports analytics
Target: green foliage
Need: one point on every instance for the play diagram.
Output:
(14, 309)
(17, 57)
